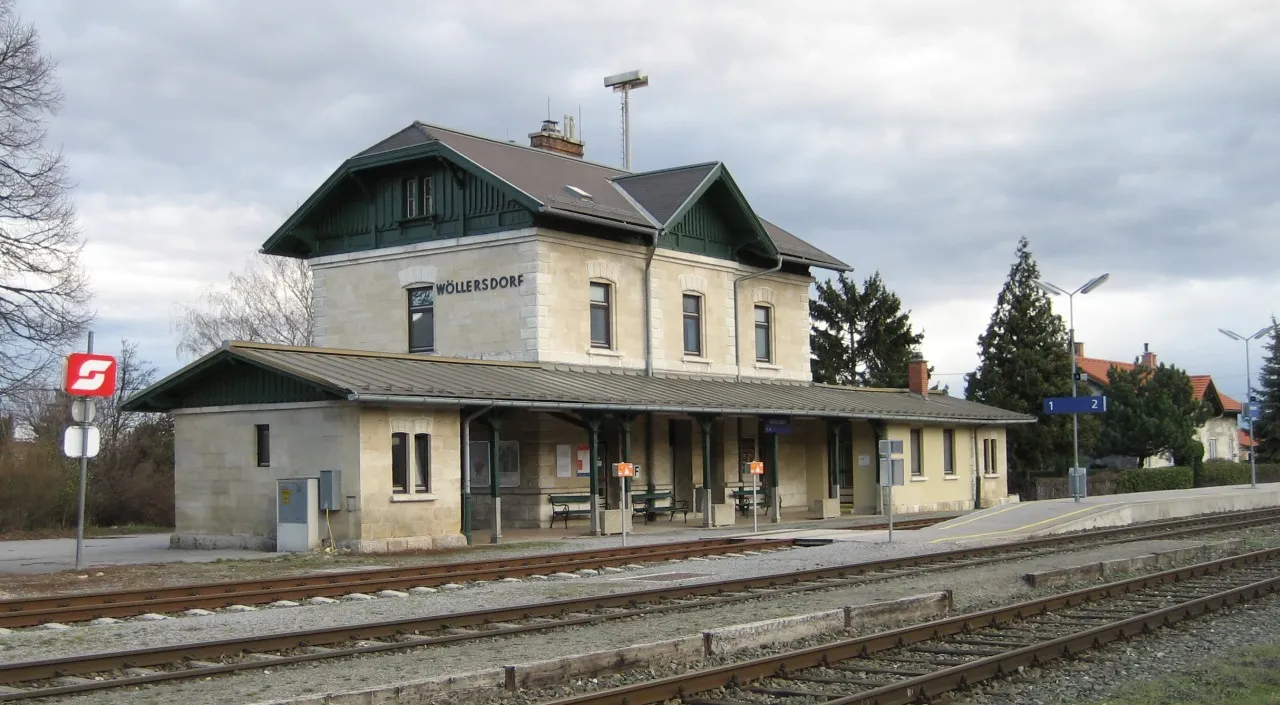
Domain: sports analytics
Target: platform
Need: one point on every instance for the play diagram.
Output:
(1056, 516)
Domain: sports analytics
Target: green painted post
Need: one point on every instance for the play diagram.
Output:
(593, 444)
(773, 478)
(833, 468)
(704, 423)
(495, 424)
(626, 458)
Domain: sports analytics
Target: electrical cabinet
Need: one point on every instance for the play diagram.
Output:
(331, 490)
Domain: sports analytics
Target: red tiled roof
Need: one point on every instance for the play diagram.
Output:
(1244, 439)
(1097, 368)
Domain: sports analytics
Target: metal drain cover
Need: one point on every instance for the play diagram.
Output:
(667, 577)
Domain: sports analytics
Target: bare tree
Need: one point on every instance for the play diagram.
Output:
(270, 302)
(43, 291)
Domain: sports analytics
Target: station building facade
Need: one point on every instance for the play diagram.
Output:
(497, 324)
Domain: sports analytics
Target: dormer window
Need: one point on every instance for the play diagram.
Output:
(416, 195)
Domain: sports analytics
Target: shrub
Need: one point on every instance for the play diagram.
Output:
(1217, 473)
(1151, 479)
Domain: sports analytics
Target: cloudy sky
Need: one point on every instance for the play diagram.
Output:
(916, 138)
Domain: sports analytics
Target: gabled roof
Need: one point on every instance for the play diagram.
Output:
(1096, 369)
(383, 378)
(662, 193)
(541, 179)
(1243, 438)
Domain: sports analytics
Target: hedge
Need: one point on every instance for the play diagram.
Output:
(1152, 479)
(1216, 473)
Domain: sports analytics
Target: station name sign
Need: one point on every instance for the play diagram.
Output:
(470, 286)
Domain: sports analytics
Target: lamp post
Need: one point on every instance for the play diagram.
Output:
(1248, 395)
(1071, 350)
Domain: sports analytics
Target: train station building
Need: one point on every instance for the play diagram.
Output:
(497, 324)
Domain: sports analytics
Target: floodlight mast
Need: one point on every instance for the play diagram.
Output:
(1071, 343)
(623, 83)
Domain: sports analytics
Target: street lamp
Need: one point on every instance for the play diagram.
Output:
(1248, 395)
(1071, 313)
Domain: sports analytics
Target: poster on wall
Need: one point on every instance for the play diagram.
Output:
(564, 461)
(508, 464)
(583, 465)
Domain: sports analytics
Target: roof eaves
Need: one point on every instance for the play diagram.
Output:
(421, 400)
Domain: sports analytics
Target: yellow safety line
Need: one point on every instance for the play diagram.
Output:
(981, 515)
(1028, 526)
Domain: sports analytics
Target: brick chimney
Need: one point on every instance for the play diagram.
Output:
(918, 376)
(1148, 357)
(1079, 349)
(551, 139)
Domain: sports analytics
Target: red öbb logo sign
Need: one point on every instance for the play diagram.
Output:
(90, 375)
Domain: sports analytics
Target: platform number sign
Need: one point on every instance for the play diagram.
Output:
(1075, 405)
(90, 375)
(756, 467)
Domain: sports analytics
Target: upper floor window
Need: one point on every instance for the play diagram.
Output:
(601, 315)
(410, 191)
(422, 319)
(692, 324)
(917, 452)
(764, 334)
(416, 194)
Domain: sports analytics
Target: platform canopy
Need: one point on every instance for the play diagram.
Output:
(253, 373)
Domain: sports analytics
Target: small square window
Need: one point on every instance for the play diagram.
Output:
(262, 436)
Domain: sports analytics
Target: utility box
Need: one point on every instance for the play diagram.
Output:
(331, 490)
(1078, 482)
(297, 514)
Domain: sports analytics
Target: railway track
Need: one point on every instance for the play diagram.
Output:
(917, 663)
(27, 612)
(108, 670)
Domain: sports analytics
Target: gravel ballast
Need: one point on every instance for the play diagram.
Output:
(972, 589)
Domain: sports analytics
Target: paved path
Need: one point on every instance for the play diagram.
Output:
(51, 555)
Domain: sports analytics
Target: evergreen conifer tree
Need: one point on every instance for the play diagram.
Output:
(1266, 430)
(1023, 359)
(1150, 411)
(860, 335)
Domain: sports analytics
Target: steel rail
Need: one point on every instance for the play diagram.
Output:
(25, 612)
(683, 687)
(621, 605)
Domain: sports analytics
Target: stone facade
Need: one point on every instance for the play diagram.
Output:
(361, 299)
(224, 499)
(361, 303)
(1220, 435)
(935, 490)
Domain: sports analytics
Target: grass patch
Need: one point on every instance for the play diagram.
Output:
(1249, 677)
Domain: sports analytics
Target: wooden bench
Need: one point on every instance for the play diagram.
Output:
(743, 500)
(647, 503)
(563, 506)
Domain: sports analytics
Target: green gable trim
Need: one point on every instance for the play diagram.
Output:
(367, 214)
(716, 220)
(226, 379)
